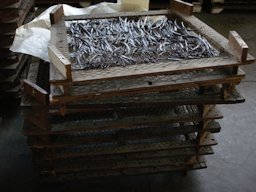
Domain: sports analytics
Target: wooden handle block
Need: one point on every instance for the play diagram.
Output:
(182, 7)
(36, 92)
(61, 63)
(238, 46)
(56, 14)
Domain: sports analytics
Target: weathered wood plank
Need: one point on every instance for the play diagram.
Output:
(119, 14)
(183, 96)
(62, 63)
(36, 113)
(182, 7)
(36, 92)
(84, 76)
(57, 14)
(238, 45)
(146, 85)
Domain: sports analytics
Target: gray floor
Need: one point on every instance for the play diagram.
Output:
(231, 168)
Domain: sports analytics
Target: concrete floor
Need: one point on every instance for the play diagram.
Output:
(231, 168)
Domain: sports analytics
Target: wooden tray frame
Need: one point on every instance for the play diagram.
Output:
(62, 78)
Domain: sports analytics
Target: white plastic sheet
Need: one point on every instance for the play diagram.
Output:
(33, 38)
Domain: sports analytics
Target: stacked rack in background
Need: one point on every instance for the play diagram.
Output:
(162, 4)
(213, 6)
(145, 118)
(239, 5)
(13, 13)
(217, 6)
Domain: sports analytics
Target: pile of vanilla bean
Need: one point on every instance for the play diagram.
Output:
(102, 43)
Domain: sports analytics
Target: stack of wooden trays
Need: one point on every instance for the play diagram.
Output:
(13, 13)
(145, 118)
(217, 6)
(239, 5)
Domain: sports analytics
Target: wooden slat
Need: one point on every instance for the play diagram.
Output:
(135, 71)
(56, 14)
(182, 7)
(36, 92)
(31, 88)
(120, 14)
(238, 45)
(183, 96)
(62, 64)
(59, 42)
(126, 87)
(83, 76)
(55, 74)
(36, 112)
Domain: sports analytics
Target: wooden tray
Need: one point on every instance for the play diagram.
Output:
(69, 86)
